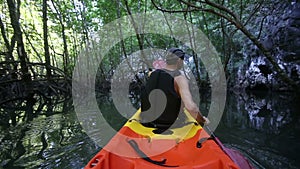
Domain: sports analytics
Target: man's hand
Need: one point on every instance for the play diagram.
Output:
(206, 120)
(202, 120)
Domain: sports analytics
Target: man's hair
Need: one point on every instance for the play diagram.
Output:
(173, 54)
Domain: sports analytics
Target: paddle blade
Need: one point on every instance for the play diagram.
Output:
(238, 158)
(235, 156)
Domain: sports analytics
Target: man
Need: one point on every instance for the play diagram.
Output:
(160, 108)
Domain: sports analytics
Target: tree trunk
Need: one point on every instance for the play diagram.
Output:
(139, 35)
(46, 45)
(14, 12)
(64, 37)
(66, 52)
(14, 16)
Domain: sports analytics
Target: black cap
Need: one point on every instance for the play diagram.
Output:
(178, 52)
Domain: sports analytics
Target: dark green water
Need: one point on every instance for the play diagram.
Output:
(264, 127)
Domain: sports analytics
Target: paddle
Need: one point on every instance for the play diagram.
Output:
(235, 156)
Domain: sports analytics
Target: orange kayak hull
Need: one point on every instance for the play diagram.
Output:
(182, 155)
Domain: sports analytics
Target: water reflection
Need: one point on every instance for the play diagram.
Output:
(55, 141)
(264, 127)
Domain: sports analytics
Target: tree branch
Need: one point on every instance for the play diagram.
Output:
(232, 18)
(222, 8)
(159, 7)
(254, 12)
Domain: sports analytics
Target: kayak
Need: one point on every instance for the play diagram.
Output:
(186, 147)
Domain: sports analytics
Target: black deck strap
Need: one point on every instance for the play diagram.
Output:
(202, 140)
(135, 146)
(131, 120)
(162, 131)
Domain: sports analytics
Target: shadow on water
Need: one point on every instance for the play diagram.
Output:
(264, 127)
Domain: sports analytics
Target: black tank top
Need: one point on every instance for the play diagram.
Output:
(156, 116)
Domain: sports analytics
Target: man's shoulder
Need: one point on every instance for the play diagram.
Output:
(181, 77)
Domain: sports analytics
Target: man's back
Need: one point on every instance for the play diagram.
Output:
(153, 112)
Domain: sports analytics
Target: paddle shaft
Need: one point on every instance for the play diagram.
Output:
(212, 134)
(235, 156)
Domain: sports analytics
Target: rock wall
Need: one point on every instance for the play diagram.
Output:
(281, 35)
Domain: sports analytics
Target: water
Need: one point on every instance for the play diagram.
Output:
(56, 141)
(264, 127)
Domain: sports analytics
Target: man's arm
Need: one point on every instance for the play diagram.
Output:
(189, 104)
